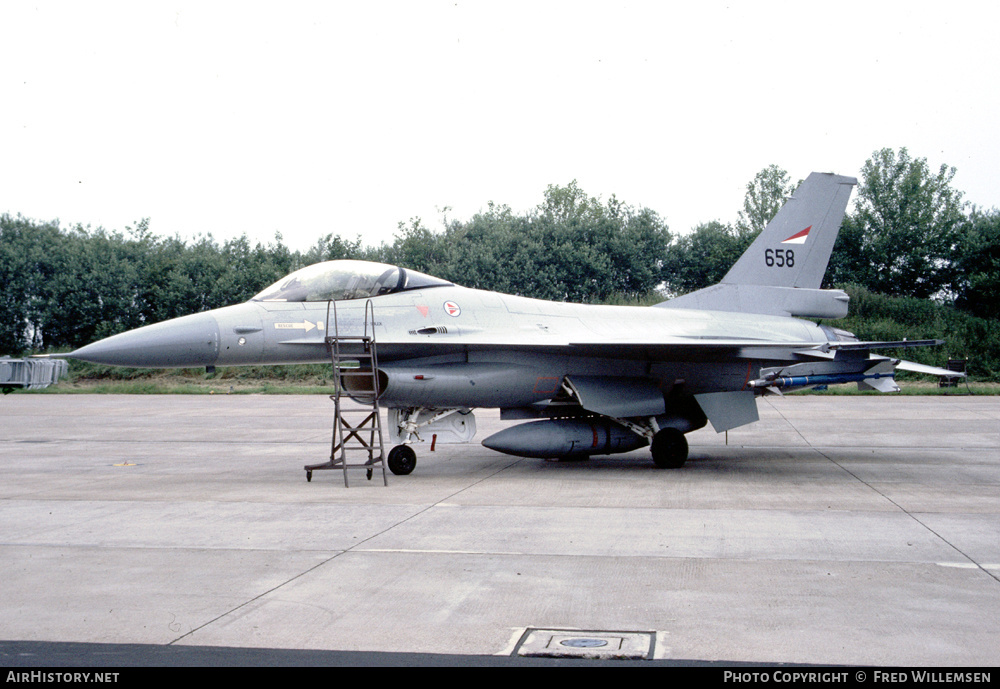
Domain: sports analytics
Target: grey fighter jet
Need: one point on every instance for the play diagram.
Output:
(587, 379)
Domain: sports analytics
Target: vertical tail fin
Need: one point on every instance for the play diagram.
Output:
(783, 269)
(794, 249)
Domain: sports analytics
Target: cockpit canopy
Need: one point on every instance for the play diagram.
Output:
(337, 280)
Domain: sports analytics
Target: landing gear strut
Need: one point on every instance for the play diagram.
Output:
(669, 449)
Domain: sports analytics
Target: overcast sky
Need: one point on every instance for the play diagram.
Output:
(309, 117)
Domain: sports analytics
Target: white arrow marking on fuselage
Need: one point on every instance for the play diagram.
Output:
(304, 325)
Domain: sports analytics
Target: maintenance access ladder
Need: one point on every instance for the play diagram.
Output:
(359, 382)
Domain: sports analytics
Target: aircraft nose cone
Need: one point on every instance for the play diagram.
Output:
(188, 341)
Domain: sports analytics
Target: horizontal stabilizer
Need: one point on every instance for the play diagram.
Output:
(914, 367)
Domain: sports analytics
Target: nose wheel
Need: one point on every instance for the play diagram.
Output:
(402, 460)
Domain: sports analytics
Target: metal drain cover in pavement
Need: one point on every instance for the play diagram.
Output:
(578, 643)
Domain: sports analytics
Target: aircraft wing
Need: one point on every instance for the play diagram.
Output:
(742, 348)
(655, 348)
(660, 349)
(690, 349)
(856, 357)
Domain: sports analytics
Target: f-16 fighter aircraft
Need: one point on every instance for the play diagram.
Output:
(587, 379)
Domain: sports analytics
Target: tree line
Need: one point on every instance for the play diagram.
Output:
(910, 234)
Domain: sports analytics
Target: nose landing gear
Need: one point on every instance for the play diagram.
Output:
(402, 460)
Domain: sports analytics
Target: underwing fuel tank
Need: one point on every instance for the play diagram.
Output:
(565, 438)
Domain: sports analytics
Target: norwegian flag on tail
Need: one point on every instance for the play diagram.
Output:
(798, 237)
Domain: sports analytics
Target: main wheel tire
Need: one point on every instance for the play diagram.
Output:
(669, 449)
(402, 460)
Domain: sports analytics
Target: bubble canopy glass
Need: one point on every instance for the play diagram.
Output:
(337, 280)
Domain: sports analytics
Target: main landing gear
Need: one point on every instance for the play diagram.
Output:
(669, 449)
(668, 445)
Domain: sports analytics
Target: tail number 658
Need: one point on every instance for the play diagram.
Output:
(783, 258)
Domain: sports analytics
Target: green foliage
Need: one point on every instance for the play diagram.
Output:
(702, 258)
(331, 248)
(575, 248)
(65, 288)
(23, 245)
(904, 233)
(570, 247)
(418, 248)
(766, 193)
(978, 286)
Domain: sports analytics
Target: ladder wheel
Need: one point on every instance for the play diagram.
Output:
(309, 476)
(402, 460)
